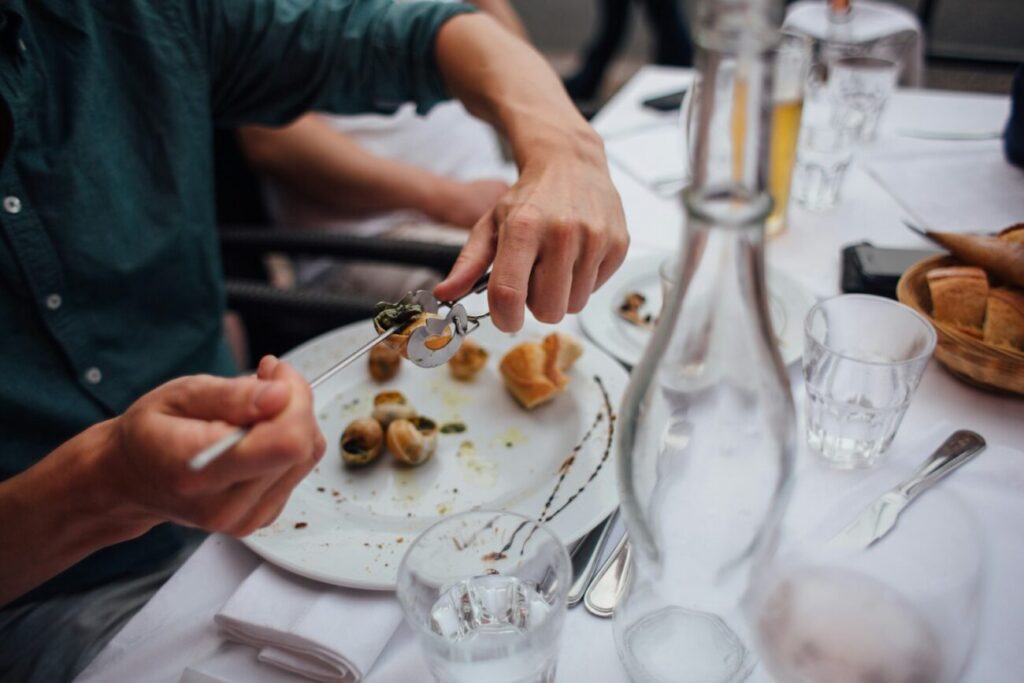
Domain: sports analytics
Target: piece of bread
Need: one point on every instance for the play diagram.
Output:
(959, 297)
(1004, 319)
(1014, 233)
(535, 372)
(561, 352)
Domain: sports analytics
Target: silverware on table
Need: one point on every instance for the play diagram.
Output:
(952, 135)
(603, 594)
(585, 557)
(418, 352)
(880, 517)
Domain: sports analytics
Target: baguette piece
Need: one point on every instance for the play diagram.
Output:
(1014, 233)
(959, 297)
(1004, 319)
(1002, 257)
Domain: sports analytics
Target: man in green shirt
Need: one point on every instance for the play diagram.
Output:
(110, 286)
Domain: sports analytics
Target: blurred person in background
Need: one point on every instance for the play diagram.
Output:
(670, 33)
(113, 362)
(403, 176)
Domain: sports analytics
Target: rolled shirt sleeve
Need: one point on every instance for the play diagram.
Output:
(268, 61)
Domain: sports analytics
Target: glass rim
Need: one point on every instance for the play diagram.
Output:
(668, 269)
(929, 329)
(404, 570)
(867, 62)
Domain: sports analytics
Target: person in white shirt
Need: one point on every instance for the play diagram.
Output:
(406, 176)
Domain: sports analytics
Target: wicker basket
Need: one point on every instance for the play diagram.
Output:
(970, 359)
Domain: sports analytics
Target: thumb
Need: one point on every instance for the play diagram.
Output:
(473, 260)
(239, 401)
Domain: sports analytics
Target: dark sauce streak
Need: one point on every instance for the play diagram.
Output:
(564, 470)
(567, 464)
(604, 456)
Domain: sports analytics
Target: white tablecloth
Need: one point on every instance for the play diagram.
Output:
(174, 633)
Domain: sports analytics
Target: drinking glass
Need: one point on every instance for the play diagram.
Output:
(485, 593)
(859, 88)
(863, 359)
(824, 155)
(904, 610)
(792, 64)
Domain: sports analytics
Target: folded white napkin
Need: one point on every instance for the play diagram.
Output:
(326, 634)
(871, 21)
(969, 191)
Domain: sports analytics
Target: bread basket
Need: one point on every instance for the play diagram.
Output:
(985, 365)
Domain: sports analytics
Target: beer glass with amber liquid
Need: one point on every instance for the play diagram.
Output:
(791, 65)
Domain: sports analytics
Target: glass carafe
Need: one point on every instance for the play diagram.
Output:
(707, 423)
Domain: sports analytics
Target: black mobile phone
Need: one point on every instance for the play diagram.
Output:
(868, 269)
(666, 102)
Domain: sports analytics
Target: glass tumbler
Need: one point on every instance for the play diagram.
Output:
(792, 65)
(903, 610)
(485, 593)
(824, 155)
(863, 358)
(859, 88)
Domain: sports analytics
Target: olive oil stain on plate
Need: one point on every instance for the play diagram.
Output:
(475, 470)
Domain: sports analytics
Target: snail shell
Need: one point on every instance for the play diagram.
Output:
(399, 341)
(384, 363)
(467, 361)
(412, 441)
(389, 406)
(362, 441)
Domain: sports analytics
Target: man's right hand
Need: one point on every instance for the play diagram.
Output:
(149, 446)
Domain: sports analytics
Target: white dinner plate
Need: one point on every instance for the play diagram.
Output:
(351, 526)
(788, 303)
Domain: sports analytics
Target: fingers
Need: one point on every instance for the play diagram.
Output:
(518, 244)
(238, 401)
(584, 279)
(473, 260)
(612, 260)
(267, 366)
(552, 279)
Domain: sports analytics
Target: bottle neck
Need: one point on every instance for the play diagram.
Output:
(729, 164)
(839, 11)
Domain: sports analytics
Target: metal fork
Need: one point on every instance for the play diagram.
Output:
(419, 353)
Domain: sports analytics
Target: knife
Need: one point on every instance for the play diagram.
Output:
(880, 517)
(585, 557)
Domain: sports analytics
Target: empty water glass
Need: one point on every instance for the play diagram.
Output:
(904, 610)
(863, 359)
(485, 593)
(859, 88)
(824, 154)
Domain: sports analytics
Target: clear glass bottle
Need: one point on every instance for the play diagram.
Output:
(707, 423)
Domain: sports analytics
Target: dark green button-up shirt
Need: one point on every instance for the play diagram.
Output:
(110, 278)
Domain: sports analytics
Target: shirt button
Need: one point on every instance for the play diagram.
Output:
(12, 204)
(54, 301)
(93, 375)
